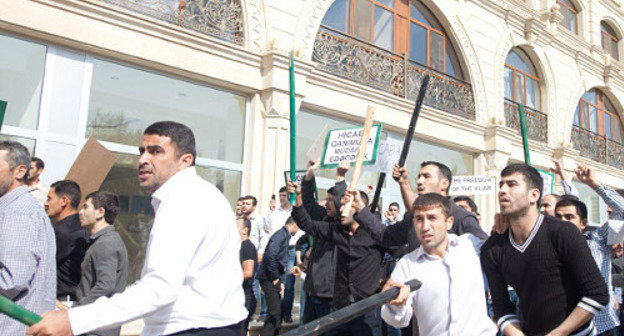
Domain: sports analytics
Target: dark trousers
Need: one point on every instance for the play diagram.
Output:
(231, 330)
(316, 307)
(273, 321)
(250, 305)
(368, 324)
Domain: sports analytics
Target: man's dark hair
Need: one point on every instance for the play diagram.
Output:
(471, 204)
(531, 176)
(581, 208)
(290, 221)
(394, 204)
(70, 189)
(254, 201)
(283, 189)
(331, 191)
(17, 155)
(246, 224)
(567, 197)
(106, 200)
(38, 162)
(240, 199)
(364, 197)
(181, 136)
(445, 172)
(432, 200)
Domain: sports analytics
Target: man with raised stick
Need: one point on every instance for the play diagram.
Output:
(191, 280)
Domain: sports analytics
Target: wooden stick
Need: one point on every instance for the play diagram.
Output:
(357, 170)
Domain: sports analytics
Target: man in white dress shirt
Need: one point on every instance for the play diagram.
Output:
(451, 300)
(191, 279)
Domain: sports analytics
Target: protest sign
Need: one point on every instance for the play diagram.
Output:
(472, 185)
(388, 155)
(91, 166)
(549, 182)
(343, 145)
(299, 175)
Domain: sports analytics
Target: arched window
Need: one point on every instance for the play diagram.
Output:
(522, 85)
(570, 15)
(609, 39)
(399, 26)
(596, 113)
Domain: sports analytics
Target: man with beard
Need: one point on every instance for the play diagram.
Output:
(36, 188)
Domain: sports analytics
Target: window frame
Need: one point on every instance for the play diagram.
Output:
(601, 110)
(613, 40)
(525, 74)
(569, 11)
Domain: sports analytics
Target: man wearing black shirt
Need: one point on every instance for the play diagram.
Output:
(545, 260)
(249, 262)
(71, 238)
(358, 263)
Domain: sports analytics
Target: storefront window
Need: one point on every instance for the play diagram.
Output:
(21, 79)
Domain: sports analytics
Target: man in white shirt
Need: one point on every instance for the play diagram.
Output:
(193, 239)
(36, 188)
(451, 300)
(248, 209)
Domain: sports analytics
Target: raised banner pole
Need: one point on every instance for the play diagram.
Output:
(3, 106)
(525, 138)
(17, 312)
(293, 125)
(407, 142)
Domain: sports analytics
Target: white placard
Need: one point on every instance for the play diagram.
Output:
(388, 155)
(472, 185)
(549, 182)
(344, 144)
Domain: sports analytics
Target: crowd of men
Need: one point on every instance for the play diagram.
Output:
(543, 270)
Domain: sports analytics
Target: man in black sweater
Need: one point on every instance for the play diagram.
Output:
(271, 275)
(545, 260)
(71, 238)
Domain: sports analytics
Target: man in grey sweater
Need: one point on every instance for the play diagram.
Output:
(105, 265)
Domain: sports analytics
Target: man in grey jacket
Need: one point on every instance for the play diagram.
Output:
(105, 265)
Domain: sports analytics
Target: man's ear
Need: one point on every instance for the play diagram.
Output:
(185, 160)
(534, 196)
(444, 184)
(449, 222)
(99, 213)
(19, 172)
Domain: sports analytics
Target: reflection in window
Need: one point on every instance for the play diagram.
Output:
(125, 100)
(570, 15)
(21, 78)
(609, 39)
(136, 215)
(596, 113)
(521, 82)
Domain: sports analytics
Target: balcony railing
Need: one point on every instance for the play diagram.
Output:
(361, 62)
(219, 18)
(597, 147)
(536, 121)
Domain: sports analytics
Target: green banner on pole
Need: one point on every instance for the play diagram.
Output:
(293, 124)
(525, 139)
(3, 106)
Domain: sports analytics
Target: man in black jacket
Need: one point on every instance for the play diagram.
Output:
(271, 275)
(319, 282)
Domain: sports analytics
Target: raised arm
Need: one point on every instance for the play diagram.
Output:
(317, 229)
(566, 181)
(399, 174)
(308, 185)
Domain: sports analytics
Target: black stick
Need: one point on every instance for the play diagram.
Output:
(408, 139)
(348, 313)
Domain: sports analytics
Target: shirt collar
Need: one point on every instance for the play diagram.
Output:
(102, 232)
(164, 190)
(12, 195)
(453, 241)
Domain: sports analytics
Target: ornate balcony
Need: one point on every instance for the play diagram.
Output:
(219, 18)
(361, 62)
(536, 121)
(597, 147)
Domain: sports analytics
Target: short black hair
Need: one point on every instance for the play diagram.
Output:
(395, 204)
(254, 201)
(290, 221)
(283, 189)
(38, 162)
(246, 224)
(471, 203)
(445, 171)
(70, 189)
(581, 208)
(432, 200)
(531, 176)
(181, 136)
(106, 200)
(331, 191)
(18, 155)
(364, 197)
(240, 199)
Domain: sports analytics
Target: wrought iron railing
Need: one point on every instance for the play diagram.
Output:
(354, 59)
(219, 18)
(536, 121)
(597, 147)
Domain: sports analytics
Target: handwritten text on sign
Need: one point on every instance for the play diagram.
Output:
(343, 145)
(388, 155)
(472, 185)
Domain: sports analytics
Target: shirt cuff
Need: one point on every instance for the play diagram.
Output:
(79, 319)
(590, 305)
(506, 320)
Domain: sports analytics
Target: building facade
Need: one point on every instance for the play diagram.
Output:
(72, 69)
